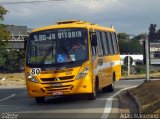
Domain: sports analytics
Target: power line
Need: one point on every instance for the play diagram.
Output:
(35, 1)
(43, 1)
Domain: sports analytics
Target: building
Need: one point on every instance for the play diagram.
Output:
(18, 36)
(155, 53)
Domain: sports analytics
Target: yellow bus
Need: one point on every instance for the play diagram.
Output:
(71, 57)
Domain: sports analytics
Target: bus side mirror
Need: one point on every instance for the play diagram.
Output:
(93, 39)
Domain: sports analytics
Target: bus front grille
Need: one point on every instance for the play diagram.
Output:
(65, 88)
(57, 79)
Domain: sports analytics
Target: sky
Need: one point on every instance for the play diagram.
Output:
(130, 16)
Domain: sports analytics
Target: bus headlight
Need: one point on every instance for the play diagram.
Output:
(83, 73)
(32, 79)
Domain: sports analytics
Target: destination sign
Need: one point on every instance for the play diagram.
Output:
(58, 35)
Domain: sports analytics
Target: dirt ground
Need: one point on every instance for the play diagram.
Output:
(142, 76)
(12, 79)
(148, 95)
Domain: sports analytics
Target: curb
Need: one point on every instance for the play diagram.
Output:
(135, 99)
(141, 78)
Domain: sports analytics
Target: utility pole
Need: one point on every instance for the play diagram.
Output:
(129, 63)
(147, 59)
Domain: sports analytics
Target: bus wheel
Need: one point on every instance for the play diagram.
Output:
(92, 96)
(39, 99)
(109, 88)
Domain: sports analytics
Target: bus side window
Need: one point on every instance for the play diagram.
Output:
(93, 48)
(105, 43)
(110, 43)
(114, 41)
(100, 50)
(94, 51)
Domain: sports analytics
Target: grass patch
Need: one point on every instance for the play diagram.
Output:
(148, 95)
(139, 71)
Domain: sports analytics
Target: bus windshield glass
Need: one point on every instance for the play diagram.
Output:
(57, 46)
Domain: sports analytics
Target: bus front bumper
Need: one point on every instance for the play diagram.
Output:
(77, 86)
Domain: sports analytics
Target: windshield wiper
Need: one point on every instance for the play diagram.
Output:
(68, 54)
(50, 49)
(46, 54)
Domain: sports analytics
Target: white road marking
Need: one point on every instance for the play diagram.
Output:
(108, 106)
(8, 97)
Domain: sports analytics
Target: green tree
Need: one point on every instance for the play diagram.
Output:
(123, 36)
(152, 32)
(129, 46)
(11, 60)
(4, 35)
(141, 36)
(3, 11)
(158, 35)
(14, 59)
(123, 42)
(135, 47)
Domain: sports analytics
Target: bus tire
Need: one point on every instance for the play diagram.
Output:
(110, 88)
(39, 99)
(92, 96)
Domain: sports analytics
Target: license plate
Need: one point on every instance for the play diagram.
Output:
(56, 85)
(57, 93)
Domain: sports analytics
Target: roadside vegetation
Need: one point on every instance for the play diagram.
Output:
(128, 45)
(139, 72)
(11, 60)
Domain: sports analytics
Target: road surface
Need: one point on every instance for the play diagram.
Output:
(15, 103)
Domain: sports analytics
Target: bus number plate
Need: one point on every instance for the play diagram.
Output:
(57, 93)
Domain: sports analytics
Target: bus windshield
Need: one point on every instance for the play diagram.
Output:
(57, 46)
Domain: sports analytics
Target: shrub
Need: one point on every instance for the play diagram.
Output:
(140, 69)
(11, 60)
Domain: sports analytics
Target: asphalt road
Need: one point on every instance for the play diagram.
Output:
(15, 103)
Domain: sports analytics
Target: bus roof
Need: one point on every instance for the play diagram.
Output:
(73, 24)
